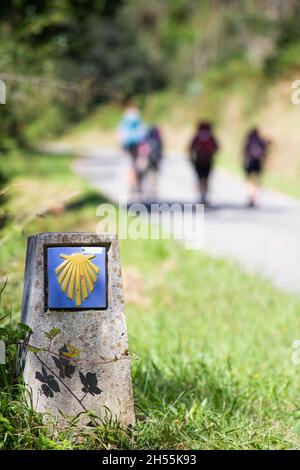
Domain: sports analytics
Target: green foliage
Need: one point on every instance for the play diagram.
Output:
(58, 58)
(286, 60)
(52, 333)
(61, 57)
(110, 58)
(12, 335)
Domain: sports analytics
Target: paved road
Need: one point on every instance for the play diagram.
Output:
(264, 240)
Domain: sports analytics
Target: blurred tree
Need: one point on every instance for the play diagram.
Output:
(59, 52)
(56, 53)
(107, 55)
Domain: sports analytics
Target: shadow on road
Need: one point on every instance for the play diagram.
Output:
(178, 206)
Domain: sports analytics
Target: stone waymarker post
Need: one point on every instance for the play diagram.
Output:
(73, 301)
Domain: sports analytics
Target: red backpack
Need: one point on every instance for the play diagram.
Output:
(203, 149)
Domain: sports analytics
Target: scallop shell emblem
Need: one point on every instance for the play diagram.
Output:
(77, 276)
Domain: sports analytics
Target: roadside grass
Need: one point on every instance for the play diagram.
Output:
(211, 345)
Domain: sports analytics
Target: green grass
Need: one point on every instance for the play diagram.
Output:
(281, 183)
(212, 346)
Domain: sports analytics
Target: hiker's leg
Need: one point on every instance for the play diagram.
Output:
(203, 187)
(152, 183)
(131, 179)
(252, 189)
(132, 171)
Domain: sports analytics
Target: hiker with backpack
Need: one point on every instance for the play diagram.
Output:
(147, 163)
(202, 151)
(255, 151)
(132, 133)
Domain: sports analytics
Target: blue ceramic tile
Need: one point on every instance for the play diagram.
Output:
(76, 277)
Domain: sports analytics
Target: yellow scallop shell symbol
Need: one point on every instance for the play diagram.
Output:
(77, 275)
